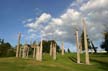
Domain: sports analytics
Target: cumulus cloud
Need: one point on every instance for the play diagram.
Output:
(95, 5)
(96, 11)
(44, 18)
(63, 27)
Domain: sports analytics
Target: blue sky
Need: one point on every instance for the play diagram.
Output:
(56, 18)
(13, 12)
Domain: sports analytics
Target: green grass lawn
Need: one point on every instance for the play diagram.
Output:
(99, 62)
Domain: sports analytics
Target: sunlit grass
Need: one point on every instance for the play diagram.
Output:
(99, 62)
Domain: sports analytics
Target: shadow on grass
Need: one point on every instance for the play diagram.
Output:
(73, 59)
(102, 65)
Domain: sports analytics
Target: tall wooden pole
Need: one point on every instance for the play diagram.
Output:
(54, 51)
(41, 47)
(51, 49)
(85, 43)
(62, 48)
(28, 51)
(18, 45)
(77, 44)
(24, 49)
(20, 51)
(37, 53)
(34, 52)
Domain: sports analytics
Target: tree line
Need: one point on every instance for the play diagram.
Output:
(6, 49)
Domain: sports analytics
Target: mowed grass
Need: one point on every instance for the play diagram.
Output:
(99, 62)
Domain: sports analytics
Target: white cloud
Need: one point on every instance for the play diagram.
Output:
(44, 18)
(95, 5)
(63, 27)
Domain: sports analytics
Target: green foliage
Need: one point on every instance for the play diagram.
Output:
(68, 50)
(90, 43)
(82, 40)
(104, 44)
(46, 46)
(6, 49)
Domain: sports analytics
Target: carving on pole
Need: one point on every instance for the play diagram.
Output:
(62, 48)
(85, 43)
(77, 45)
(18, 45)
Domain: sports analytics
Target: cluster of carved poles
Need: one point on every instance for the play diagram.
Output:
(79, 46)
(37, 50)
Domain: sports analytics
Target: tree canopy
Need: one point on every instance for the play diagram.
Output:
(90, 43)
(104, 44)
(6, 49)
(46, 46)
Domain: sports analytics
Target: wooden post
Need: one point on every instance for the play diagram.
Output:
(62, 48)
(27, 52)
(20, 51)
(34, 52)
(37, 53)
(25, 49)
(51, 49)
(77, 45)
(54, 51)
(24, 55)
(85, 43)
(41, 47)
(18, 46)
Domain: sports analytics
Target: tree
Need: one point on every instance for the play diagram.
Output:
(68, 50)
(46, 46)
(104, 44)
(90, 43)
(6, 49)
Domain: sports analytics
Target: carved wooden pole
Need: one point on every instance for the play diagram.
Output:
(77, 44)
(24, 50)
(85, 43)
(20, 51)
(41, 47)
(18, 46)
(34, 52)
(54, 51)
(62, 47)
(27, 51)
(24, 55)
(37, 53)
(51, 49)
